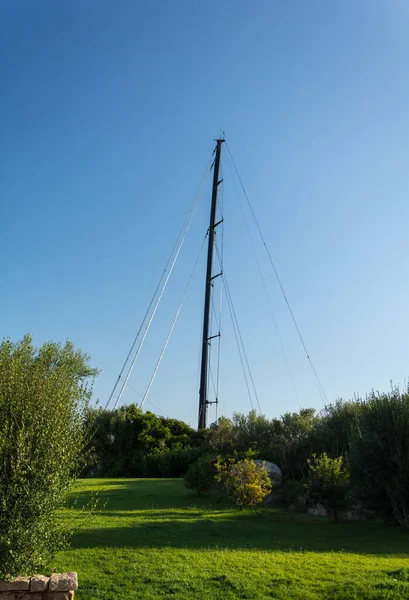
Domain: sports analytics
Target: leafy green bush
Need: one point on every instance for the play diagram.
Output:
(379, 454)
(171, 463)
(200, 475)
(43, 399)
(128, 442)
(244, 482)
(329, 483)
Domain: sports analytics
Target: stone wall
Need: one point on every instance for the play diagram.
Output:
(59, 586)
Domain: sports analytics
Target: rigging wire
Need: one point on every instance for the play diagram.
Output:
(218, 357)
(213, 382)
(220, 259)
(220, 339)
(210, 346)
(178, 246)
(150, 320)
(214, 317)
(199, 349)
(234, 316)
(221, 263)
(172, 326)
(239, 351)
(270, 304)
(149, 402)
(320, 387)
(197, 196)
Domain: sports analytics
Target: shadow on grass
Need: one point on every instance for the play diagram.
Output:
(163, 513)
(249, 533)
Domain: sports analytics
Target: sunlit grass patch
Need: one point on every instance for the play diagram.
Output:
(155, 539)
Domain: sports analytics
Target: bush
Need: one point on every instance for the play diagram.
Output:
(244, 482)
(328, 483)
(43, 399)
(200, 475)
(173, 463)
(379, 454)
(127, 442)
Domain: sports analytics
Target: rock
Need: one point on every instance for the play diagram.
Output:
(19, 584)
(298, 504)
(39, 583)
(317, 511)
(63, 582)
(274, 471)
(276, 476)
(357, 513)
(58, 595)
(352, 515)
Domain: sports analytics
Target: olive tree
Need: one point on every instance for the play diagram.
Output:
(44, 394)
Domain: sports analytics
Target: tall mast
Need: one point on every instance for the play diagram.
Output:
(203, 401)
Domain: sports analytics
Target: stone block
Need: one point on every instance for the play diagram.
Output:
(39, 583)
(27, 596)
(19, 584)
(7, 596)
(63, 582)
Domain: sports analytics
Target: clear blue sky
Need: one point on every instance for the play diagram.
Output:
(108, 114)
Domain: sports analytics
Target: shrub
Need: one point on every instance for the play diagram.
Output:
(200, 475)
(127, 442)
(43, 399)
(328, 483)
(379, 454)
(174, 463)
(244, 482)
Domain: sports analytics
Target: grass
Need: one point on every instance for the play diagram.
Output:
(155, 539)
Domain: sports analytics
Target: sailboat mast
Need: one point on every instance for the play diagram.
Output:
(203, 401)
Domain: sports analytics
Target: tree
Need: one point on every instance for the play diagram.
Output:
(328, 483)
(221, 436)
(128, 442)
(333, 431)
(293, 439)
(379, 454)
(244, 482)
(253, 431)
(44, 394)
(200, 474)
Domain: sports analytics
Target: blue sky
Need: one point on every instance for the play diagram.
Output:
(109, 111)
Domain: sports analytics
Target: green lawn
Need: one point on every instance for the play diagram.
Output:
(155, 539)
